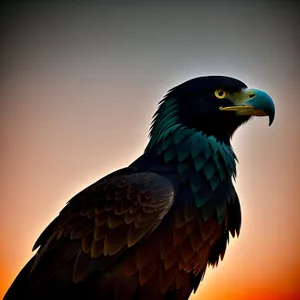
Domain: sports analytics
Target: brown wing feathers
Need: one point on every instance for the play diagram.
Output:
(110, 218)
(172, 252)
(106, 220)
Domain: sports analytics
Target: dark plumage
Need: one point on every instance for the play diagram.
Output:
(150, 230)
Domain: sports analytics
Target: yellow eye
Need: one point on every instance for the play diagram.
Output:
(220, 94)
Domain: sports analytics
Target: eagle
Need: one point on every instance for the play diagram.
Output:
(150, 230)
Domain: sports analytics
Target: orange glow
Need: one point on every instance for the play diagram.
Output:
(6, 276)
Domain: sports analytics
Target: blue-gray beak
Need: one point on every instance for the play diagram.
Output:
(252, 102)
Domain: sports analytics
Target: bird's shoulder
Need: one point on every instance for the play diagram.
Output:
(108, 217)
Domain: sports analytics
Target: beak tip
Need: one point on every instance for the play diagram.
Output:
(271, 113)
(271, 119)
(265, 103)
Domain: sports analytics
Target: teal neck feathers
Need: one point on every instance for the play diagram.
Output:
(204, 163)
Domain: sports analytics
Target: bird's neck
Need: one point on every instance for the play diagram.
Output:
(199, 166)
(187, 151)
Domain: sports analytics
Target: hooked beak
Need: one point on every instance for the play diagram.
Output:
(252, 102)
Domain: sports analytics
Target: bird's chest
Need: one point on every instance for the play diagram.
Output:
(202, 174)
(201, 170)
(187, 236)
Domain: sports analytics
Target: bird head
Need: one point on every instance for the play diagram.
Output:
(214, 105)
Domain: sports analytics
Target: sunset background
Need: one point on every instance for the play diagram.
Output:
(79, 84)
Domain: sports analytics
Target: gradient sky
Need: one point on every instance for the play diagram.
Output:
(79, 84)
